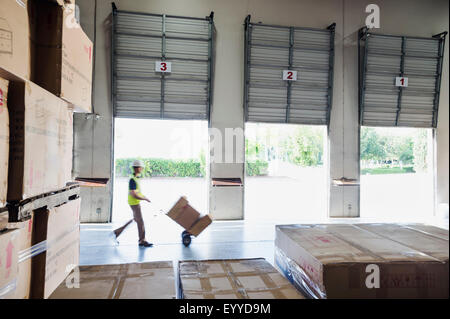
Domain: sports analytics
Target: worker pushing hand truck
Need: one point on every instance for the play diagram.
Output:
(135, 197)
(182, 213)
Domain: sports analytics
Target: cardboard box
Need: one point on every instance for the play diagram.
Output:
(64, 2)
(8, 263)
(183, 213)
(200, 225)
(24, 241)
(61, 229)
(152, 280)
(63, 54)
(4, 216)
(15, 38)
(4, 141)
(363, 260)
(234, 279)
(41, 140)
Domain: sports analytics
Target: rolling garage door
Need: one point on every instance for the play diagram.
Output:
(288, 74)
(143, 46)
(400, 79)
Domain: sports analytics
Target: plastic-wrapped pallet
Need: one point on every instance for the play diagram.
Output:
(151, 280)
(364, 260)
(234, 279)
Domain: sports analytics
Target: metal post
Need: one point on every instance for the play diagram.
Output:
(210, 66)
(289, 83)
(247, 45)
(365, 34)
(113, 100)
(400, 89)
(332, 29)
(113, 49)
(163, 58)
(437, 89)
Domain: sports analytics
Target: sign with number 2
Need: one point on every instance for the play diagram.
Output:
(163, 66)
(289, 75)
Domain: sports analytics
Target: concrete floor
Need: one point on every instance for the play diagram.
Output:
(221, 240)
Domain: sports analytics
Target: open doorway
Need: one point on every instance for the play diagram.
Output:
(397, 173)
(174, 154)
(285, 172)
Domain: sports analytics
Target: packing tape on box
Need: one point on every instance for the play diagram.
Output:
(6, 290)
(43, 245)
(298, 276)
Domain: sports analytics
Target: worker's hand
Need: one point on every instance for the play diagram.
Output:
(147, 200)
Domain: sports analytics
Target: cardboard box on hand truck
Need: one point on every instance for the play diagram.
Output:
(189, 218)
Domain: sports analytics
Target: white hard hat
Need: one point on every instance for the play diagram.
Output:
(138, 163)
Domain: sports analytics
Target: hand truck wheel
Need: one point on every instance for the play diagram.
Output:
(186, 238)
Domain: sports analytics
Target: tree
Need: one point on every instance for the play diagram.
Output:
(373, 146)
(420, 151)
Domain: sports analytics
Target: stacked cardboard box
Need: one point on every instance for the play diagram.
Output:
(59, 228)
(234, 279)
(62, 54)
(365, 260)
(153, 280)
(8, 263)
(4, 141)
(15, 39)
(24, 244)
(45, 74)
(41, 141)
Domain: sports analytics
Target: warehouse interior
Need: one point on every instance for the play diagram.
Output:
(283, 145)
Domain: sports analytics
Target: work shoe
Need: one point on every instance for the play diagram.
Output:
(145, 244)
(113, 237)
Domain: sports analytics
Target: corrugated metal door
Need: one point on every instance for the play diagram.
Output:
(384, 58)
(269, 50)
(138, 41)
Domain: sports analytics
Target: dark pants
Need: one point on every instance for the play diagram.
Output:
(137, 217)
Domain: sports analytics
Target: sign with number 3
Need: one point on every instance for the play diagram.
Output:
(289, 75)
(163, 66)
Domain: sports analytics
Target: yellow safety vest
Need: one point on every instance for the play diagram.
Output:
(131, 200)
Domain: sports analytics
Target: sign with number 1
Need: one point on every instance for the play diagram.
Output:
(289, 75)
(163, 66)
(401, 81)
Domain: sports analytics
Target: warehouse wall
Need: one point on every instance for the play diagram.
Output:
(411, 17)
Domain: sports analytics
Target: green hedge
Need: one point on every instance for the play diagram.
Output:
(257, 168)
(155, 167)
(387, 170)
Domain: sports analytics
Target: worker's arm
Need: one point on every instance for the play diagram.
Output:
(136, 195)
